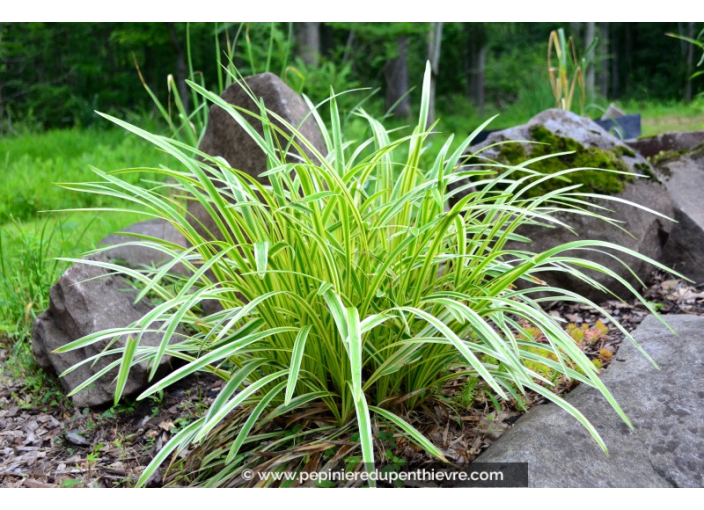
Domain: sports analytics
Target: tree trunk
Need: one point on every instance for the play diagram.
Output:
(689, 61)
(604, 59)
(181, 68)
(628, 49)
(149, 63)
(349, 46)
(480, 85)
(477, 65)
(308, 35)
(396, 73)
(615, 60)
(576, 28)
(589, 77)
(434, 43)
(327, 40)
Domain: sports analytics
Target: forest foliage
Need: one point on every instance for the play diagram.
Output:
(55, 75)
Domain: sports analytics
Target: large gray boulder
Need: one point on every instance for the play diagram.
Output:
(140, 256)
(648, 232)
(85, 300)
(684, 179)
(666, 446)
(225, 138)
(667, 142)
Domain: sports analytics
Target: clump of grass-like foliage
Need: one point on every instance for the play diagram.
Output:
(350, 293)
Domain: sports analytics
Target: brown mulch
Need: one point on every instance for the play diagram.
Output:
(54, 445)
(60, 446)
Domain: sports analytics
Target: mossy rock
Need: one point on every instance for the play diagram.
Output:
(589, 146)
(698, 152)
(554, 132)
(593, 181)
(667, 157)
(664, 159)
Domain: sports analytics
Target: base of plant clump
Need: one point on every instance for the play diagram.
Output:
(122, 440)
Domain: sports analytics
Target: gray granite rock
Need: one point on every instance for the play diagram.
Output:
(675, 141)
(85, 300)
(649, 234)
(666, 447)
(613, 112)
(139, 256)
(684, 180)
(225, 138)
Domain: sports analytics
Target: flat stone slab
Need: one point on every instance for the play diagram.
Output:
(666, 447)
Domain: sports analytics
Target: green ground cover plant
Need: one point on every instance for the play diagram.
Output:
(350, 293)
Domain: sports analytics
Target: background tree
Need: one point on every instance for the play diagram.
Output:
(434, 46)
(478, 45)
(308, 42)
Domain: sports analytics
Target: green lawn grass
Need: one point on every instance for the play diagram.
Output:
(32, 233)
(657, 117)
(30, 165)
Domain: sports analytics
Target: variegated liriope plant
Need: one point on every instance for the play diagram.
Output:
(350, 292)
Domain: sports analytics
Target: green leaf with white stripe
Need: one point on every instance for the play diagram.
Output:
(296, 357)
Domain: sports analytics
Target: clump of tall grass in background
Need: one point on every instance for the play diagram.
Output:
(563, 86)
(350, 293)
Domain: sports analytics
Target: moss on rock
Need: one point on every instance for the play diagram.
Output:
(697, 152)
(664, 157)
(624, 151)
(662, 160)
(645, 169)
(581, 157)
